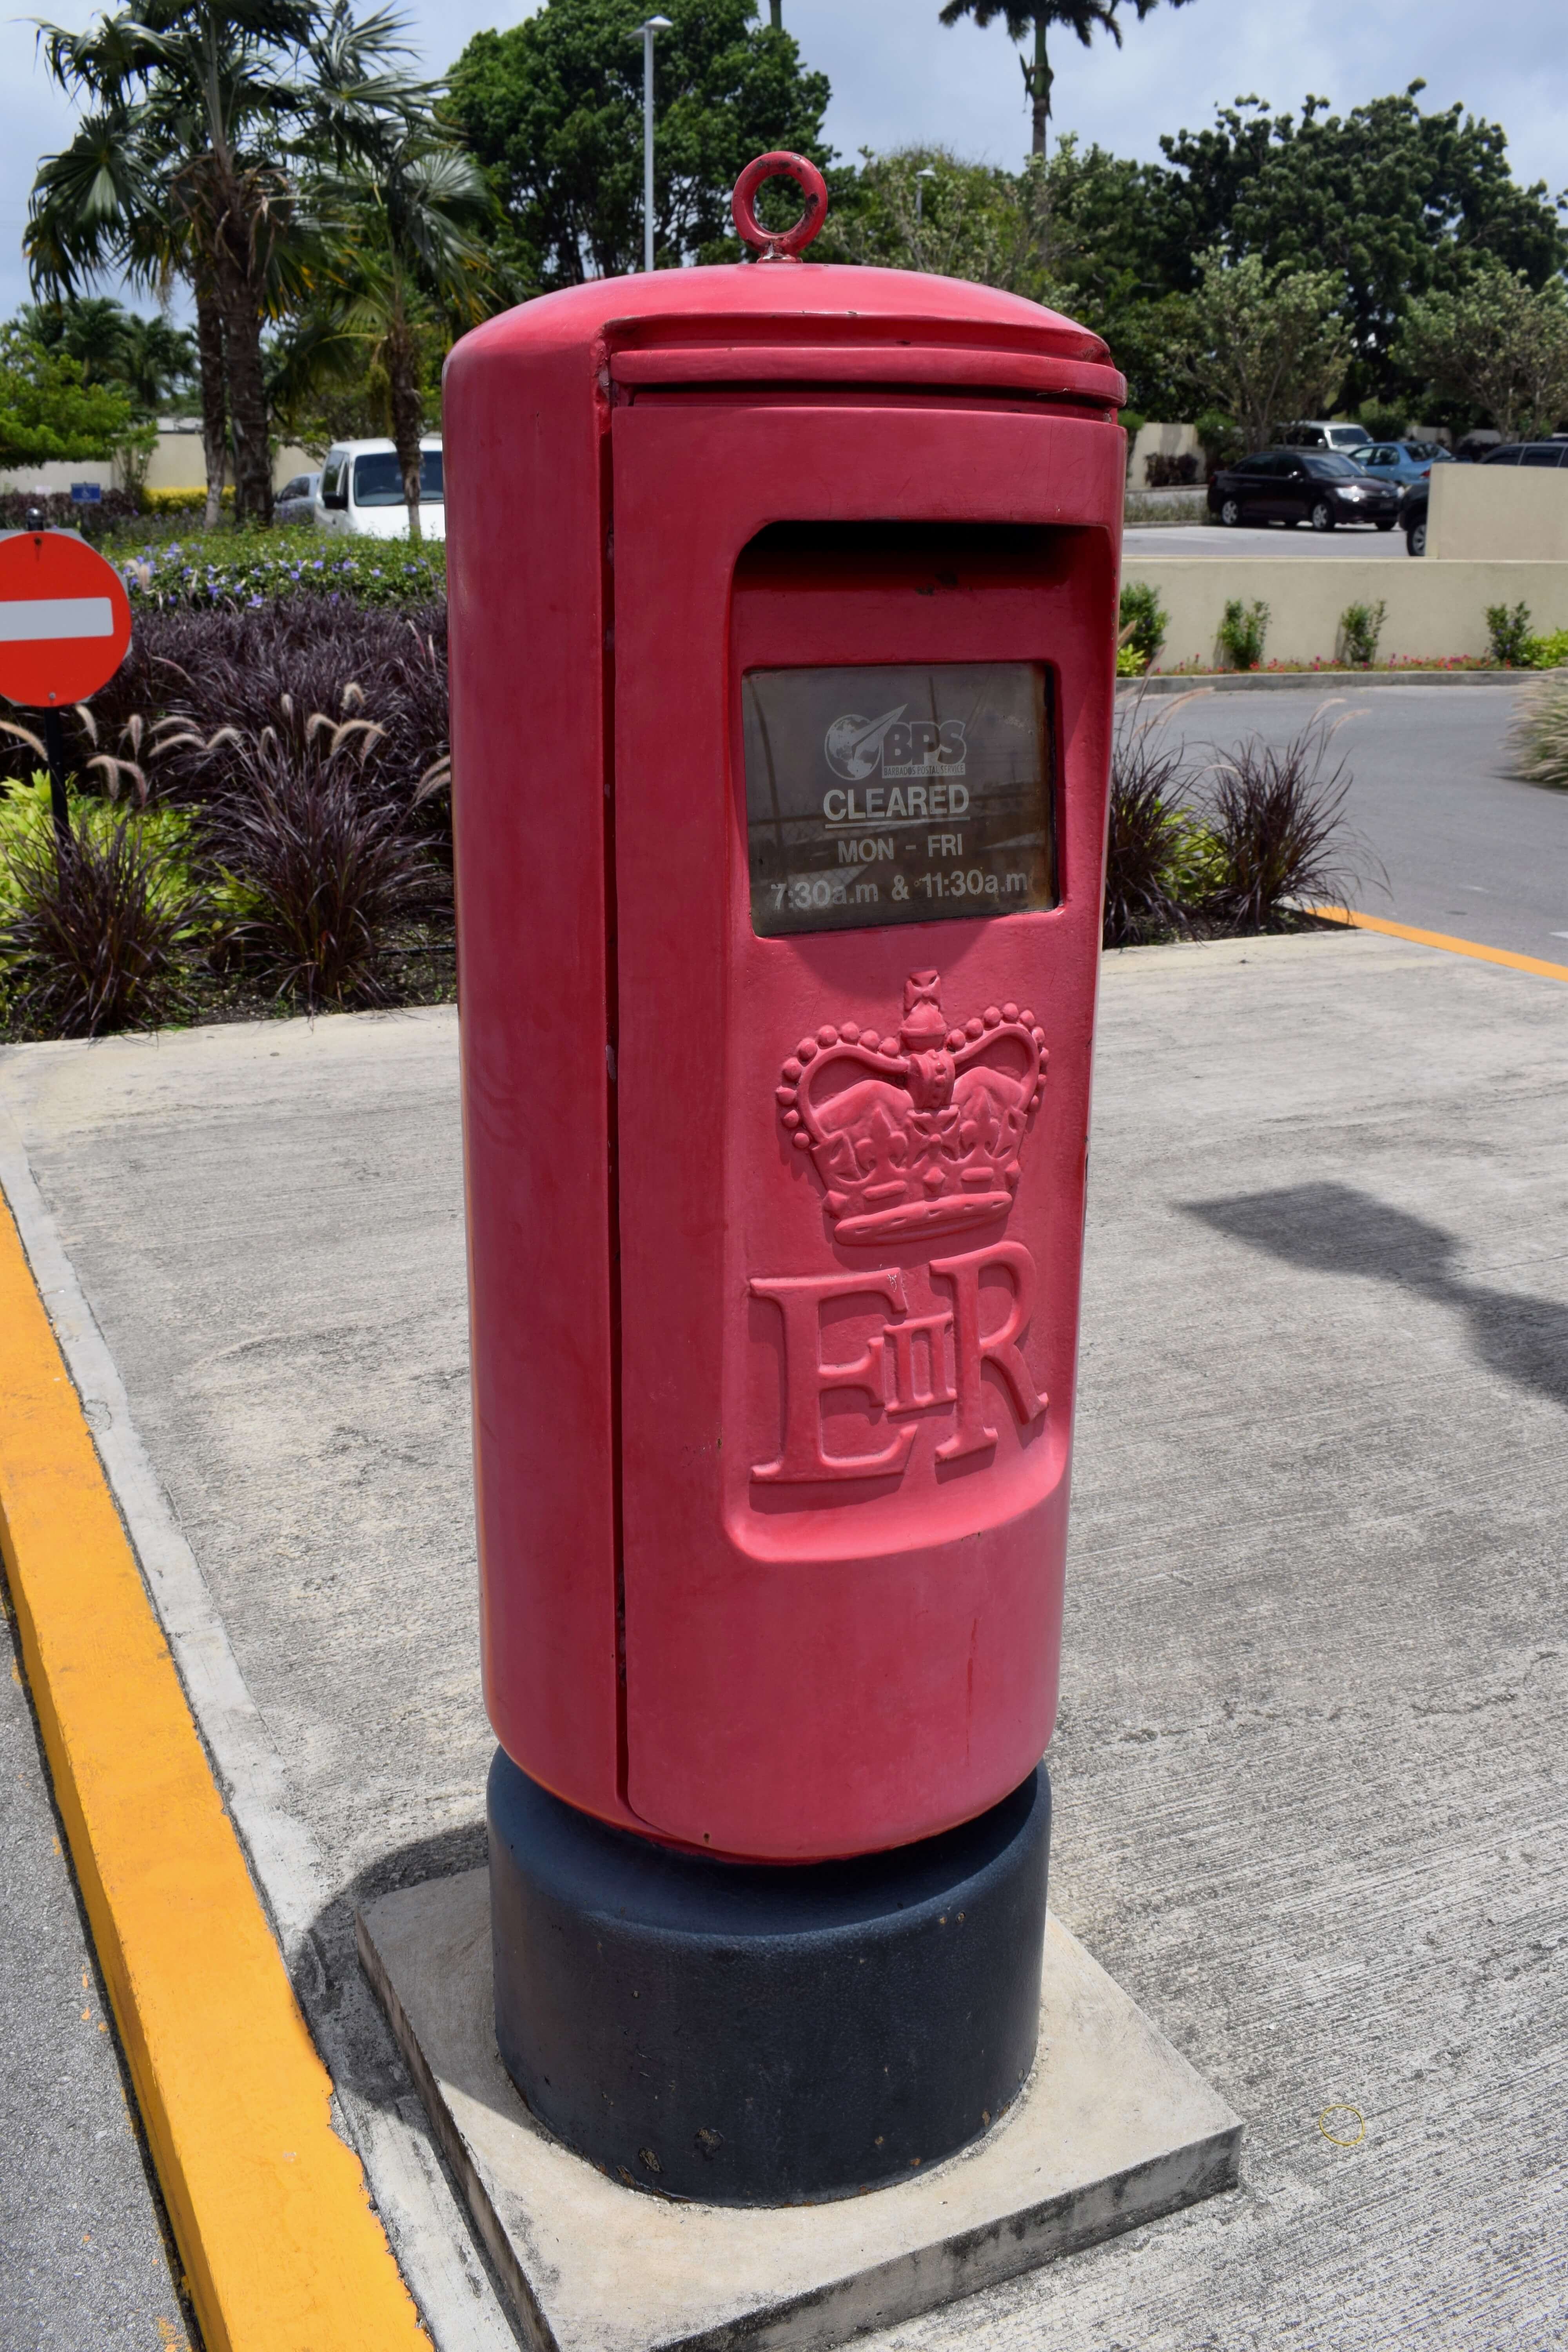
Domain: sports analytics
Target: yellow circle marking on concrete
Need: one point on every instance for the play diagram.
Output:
(1343, 2108)
(281, 2256)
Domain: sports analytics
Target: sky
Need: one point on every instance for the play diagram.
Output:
(899, 76)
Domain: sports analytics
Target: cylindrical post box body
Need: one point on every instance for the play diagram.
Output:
(783, 605)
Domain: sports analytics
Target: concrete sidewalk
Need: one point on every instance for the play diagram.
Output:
(1310, 1811)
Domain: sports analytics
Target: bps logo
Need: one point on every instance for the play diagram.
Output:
(894, 746)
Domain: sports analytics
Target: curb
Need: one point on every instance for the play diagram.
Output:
(1505, 956)
(281, 2248)
(1273, 681)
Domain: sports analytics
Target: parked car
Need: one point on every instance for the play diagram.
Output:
(1321, 434)
(1294, 485)
(361, 491)
(1530, 453)
(1400, 462)
(1413, 515)
(296, 501)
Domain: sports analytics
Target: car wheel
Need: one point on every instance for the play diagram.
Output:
(1322, 516)
(1416, 537)
(1230, 511)
(1387, 525)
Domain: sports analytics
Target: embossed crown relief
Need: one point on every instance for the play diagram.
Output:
(914, 1135)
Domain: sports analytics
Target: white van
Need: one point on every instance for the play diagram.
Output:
(361, 491)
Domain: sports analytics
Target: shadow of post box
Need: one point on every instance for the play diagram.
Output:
(784, 624)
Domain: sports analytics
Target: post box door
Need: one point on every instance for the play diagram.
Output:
(845, 1414)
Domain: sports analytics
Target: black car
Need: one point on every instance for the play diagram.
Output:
(1292, 486)
(1413, 513)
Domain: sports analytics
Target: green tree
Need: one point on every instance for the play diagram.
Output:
(1398, 203)
(151, 358)
(1499, 344)
(926, 208)
(1266, 344)
(180, 167)
(48, 410)
(1030, 21)
(552, 108)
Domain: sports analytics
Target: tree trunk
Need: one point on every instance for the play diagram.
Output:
(247, 397)
(1037, 82)
(400, 357)
(214, 403)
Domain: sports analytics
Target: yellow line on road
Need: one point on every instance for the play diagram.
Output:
(1441, 939)
(281, 2248)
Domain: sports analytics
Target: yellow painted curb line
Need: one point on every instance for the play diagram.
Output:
(281, 2249)
(1441, 939)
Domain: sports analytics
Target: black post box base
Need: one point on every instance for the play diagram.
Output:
(753, 2035)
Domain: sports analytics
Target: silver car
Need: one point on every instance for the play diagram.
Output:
(296, 501)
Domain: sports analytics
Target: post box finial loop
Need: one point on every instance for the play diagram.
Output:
(788, 243)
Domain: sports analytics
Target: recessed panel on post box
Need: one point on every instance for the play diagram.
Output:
(862, 698)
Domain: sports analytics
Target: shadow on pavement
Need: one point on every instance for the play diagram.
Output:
(1336, 1229)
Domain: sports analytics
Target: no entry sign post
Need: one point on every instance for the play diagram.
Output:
(64, 627)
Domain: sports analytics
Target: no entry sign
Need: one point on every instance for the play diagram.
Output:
(65, 618)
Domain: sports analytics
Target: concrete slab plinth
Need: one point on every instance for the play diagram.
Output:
(1113, 2128)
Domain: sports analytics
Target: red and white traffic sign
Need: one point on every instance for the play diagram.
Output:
(65, 618)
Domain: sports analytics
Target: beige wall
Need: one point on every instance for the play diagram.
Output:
(1435, 609)
(177, 464)
(1518, 512)
(1161, 441)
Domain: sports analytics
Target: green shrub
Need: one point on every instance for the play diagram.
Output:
(1242, 633)
(1383, 423)
(1539, 737)
(259, 567)
(1220, 438)
(1142, 624)
(1508, 629)
(1550, 652)
(1361, 625)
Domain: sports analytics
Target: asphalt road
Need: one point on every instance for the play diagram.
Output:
(82, 2260)
(1466, 848)
(1264, 539)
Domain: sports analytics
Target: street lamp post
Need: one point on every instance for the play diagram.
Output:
(654, 24)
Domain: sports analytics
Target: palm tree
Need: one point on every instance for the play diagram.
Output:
(181, 168)
(157, 358)
(112, 345)
(90, 330)
(405, 221)
(104, 203)
(1029, 19)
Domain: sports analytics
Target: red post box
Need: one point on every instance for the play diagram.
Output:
(783, 609)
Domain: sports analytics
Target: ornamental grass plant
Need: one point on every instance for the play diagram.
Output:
(98, 933)
(285, 773)
(1282, 843)
(324, 872)
(1247, 841)
(1538, 739)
